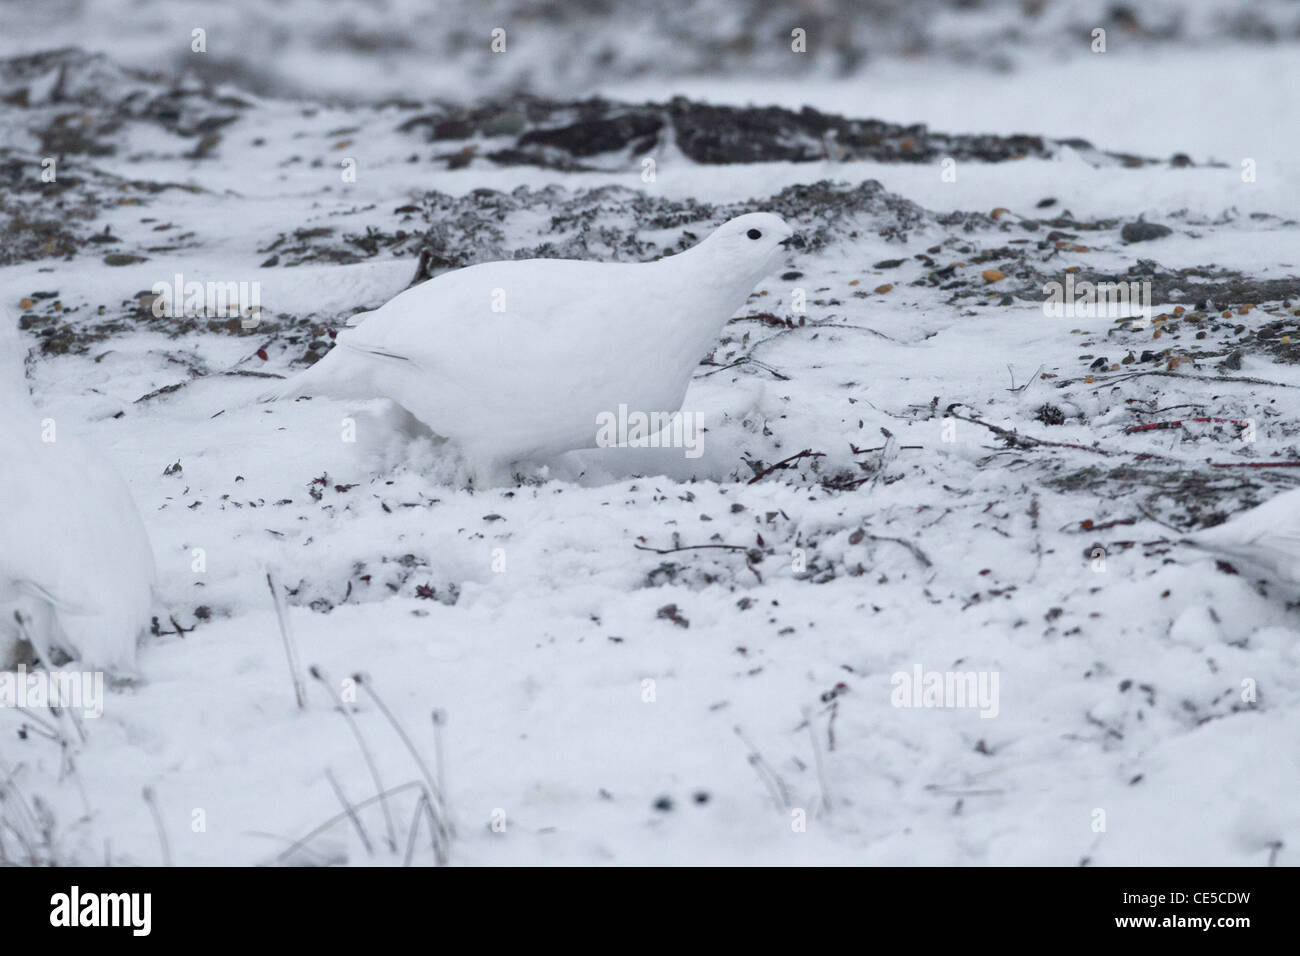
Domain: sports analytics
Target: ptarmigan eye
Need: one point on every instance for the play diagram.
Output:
(754, 234)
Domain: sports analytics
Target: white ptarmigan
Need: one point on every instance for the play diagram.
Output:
(76, 565)
(1265, 538)
(516, 360)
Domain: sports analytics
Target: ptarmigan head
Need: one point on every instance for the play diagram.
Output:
(752, 243)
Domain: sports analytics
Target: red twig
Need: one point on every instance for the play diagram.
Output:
(1158, 426)
(690, 547)
(1256, 464)
(1087, 524)
(787, 462)
(1016, 440)
(1146, 544)
(862, 451)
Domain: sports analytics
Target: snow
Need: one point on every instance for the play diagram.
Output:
(534, 616)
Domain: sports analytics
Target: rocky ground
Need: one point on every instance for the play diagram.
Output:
(359, 51)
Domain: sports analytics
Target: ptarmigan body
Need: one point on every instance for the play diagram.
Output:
(1266, 538)
(75, 561)
(516, 360)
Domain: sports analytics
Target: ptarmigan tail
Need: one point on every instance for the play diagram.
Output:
(349, 370)
(328, 377)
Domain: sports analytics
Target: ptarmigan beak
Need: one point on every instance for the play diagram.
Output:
(793, 242)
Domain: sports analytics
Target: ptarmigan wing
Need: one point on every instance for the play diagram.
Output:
(495, 349)
(459, 321)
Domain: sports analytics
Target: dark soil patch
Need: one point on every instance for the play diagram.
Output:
(561, 135)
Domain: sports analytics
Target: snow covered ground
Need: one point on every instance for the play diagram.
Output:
(644, 658)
